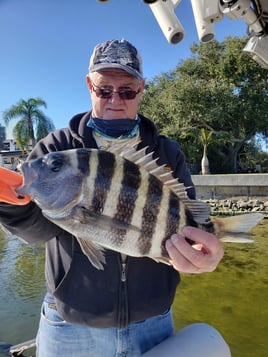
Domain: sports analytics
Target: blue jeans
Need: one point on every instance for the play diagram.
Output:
(57, 337)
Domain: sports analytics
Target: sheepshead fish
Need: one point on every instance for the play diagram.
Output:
(120, 199)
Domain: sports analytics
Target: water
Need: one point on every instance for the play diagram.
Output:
(233, 298)
(22, 289)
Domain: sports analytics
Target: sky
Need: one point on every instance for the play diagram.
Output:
(45, 46)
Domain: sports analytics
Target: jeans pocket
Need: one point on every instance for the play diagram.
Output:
(51, 315)
(164, 315)
(166, 312)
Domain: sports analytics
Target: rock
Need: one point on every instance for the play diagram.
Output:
(265, 204)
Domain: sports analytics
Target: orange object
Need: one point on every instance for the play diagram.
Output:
(9, 180)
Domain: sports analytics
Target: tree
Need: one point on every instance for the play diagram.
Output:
(33, 123)
(205, 137)
(218, 87)
(154, 103)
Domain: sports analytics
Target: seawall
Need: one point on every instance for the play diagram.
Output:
(229, 186)
(233, 194)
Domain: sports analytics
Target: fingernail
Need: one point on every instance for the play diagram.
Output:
(174, 238)
(186, 230)
(169, 244)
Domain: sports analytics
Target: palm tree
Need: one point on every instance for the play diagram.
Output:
(205, 137)
(33, 123)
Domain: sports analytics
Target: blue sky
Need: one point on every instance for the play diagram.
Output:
(45, 47)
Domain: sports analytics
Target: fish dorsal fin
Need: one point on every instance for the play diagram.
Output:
(146, 161)
(122, 147)
(94, 253)
(199, 210)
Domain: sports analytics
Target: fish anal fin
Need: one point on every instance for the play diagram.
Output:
(236, 238)
(94, 253)
(163, 260)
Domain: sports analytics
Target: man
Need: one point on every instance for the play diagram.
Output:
(123, 310)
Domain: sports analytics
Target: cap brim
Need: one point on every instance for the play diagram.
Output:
(102, 66)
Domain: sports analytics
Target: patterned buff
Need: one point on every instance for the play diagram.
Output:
(115, 128)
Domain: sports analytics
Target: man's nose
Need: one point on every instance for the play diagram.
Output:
(115, 97)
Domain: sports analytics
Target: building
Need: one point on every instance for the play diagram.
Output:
(2, 136)
(11, 155)
(10, 145)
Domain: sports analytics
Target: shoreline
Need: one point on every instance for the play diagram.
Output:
(237, 206)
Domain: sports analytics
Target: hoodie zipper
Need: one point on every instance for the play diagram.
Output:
(123, 306)
(123, 272)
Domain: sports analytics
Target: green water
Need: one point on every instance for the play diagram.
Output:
(233, 299)
(22, 289)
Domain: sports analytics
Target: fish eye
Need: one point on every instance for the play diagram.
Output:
(55, 165)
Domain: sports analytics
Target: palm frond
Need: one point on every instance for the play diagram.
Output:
(33, 124)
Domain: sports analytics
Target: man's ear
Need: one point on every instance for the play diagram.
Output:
(89, 82)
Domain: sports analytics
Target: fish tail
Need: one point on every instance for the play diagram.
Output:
(235, 228)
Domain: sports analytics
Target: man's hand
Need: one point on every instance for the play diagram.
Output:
(201, 257)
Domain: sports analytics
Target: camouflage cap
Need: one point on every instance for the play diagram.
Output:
(118, 54)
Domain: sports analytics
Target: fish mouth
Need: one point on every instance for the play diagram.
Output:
(29, 175)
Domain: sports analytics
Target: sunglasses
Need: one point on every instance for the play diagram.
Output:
(105, 93)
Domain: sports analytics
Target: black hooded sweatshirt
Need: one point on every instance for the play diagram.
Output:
(122, 293)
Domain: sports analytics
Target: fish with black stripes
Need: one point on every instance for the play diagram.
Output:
(120, 199)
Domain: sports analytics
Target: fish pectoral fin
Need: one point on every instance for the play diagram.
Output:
(94, 253)
(114, 223)
(86, 216)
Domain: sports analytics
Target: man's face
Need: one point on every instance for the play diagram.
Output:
(114, 107)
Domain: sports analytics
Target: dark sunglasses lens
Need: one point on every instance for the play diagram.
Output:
(104, 93)
(127, 94)
(108, 93)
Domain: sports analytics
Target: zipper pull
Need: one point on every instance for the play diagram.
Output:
(123, 272)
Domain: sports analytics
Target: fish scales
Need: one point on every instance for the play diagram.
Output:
(106, 167)
(124, 184)
(128, 192)
(150, 219)
(116, 188)
(175, 219)
(129, 187)
(103, 186)
(115, 177)
(138, 214)
(162, 219)
(121, 200)
(150, 213)
(90, 181)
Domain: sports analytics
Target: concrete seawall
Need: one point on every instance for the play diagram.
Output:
(245, 186)
(233, 194)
